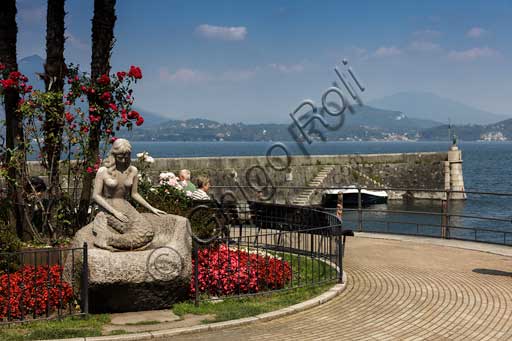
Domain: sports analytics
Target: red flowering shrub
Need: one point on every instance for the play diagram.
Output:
(223, 271)
(31, 289)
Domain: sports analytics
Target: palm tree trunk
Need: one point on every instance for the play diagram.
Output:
(14, 128)
(54, 80)
(102, 42)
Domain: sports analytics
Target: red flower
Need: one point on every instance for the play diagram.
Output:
(2, 67)
(8, 83)
(225, 271)
(133, 115)
(113, 106)
(104, 79)
(139, 121)
(89, 169)
(135, 72)
(83, 88)
(33, 291)
(113, 139)
(94, 118)
(121, 75)
(85, 129)
(15, 75)
(108, 131)
(69, 117)
(106, 96)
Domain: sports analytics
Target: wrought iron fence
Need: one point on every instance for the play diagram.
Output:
(483, 217)
(43, 284)
(257, 247)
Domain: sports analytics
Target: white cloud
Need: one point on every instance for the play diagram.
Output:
(186, 75)
(77, 43)
(222, 32)
(476, 32)
(183, 75)
(288, 68)
(424, 46)
(473, 54)
(427, 34)
(388, 51)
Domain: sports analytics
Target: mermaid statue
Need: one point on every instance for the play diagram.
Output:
(120, 226)
(136, 261)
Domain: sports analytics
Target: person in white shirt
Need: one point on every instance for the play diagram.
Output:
(185, 182)
(203, 185)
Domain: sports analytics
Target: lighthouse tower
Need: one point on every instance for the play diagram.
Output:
(454, 180)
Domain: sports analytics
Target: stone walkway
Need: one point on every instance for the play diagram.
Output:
(402, 290)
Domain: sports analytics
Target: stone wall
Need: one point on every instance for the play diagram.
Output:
(408, 170)
(411, 170)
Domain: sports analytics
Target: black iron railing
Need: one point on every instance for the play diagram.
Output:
(483, 217)
(43, 284)
(259, 247)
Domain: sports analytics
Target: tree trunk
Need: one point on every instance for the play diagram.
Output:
(13, 123)
(55, 69)
(102, 42)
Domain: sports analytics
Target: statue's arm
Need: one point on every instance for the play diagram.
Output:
(138, 198)
(97, 195)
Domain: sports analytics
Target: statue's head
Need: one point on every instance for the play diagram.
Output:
(119, 155)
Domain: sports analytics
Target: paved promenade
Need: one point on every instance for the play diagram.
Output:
(403, 289)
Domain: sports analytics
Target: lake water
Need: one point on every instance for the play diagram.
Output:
(487, 167)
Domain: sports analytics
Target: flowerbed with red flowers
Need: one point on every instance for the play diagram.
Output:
(224, 271)
(33, 290)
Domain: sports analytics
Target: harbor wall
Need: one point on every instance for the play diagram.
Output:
(398, 170)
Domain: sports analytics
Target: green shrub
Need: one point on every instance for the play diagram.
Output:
(175, 201)
(9, 242)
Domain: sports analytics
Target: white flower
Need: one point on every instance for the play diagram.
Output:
(141, 155)
(149, 159)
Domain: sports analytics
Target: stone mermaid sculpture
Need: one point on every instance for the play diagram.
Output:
(119, 226)
(136, 261)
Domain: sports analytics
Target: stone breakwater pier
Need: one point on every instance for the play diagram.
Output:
(431, 170)
(427, 170)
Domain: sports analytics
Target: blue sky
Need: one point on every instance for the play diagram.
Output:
(255, 61)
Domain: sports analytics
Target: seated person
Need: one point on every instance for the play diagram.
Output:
(203, 185)
(185, 182)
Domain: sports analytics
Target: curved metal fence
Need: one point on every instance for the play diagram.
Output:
(483, 217)
(257, 247)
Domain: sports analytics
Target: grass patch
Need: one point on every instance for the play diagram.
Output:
(231, 309)
(306, 271)
(68, 327)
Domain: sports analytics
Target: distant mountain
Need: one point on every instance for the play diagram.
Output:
(471, 132)
(31, 66)
(432, 107)
(388, 119)
(365, 123)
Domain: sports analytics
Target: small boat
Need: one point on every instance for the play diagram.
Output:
(350, 197)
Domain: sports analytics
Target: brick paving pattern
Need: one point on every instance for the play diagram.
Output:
(401, 290)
